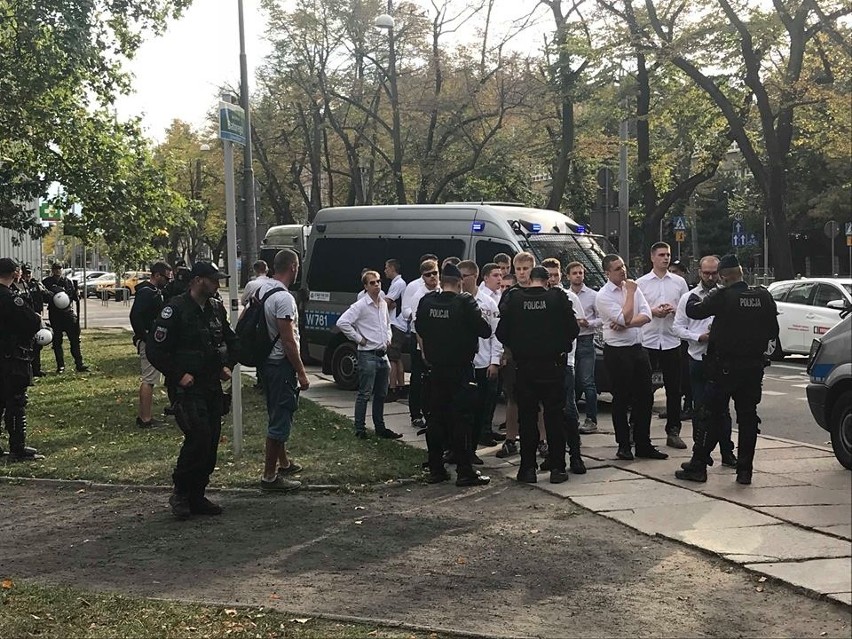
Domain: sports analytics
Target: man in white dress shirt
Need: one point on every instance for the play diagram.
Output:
(396, 289)
(697, 335)
(492, 278)
(663, 291)
(584, 357)
(366, 324)
(623, 310)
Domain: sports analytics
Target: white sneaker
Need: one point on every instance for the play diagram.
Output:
(588, 427)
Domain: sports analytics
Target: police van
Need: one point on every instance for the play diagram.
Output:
(289, 236)
(343, 241)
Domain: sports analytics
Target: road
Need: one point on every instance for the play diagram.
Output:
(784, 410)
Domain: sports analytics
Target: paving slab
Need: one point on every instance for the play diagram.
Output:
(778, 496)
(820, 575)
(841, 530)
(788, 466)
(843, 597)
(758, 544)
(705, 515)
(655, 495)
(811, 516)
(840, 478)
(792, 452)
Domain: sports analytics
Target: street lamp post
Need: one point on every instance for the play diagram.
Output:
(386, 21)
(249, 210)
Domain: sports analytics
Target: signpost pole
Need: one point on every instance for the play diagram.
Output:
(228, 131)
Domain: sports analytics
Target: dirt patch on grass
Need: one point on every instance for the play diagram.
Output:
(504, 559)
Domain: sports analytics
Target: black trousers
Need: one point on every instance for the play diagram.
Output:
(72, 329)
(630, 377)
(670, 362)
(743, 383)
(452, 397)
(486, 403)
(415, 390)
(685, 375)
(541, 382)
(13, 407)
(199, 415)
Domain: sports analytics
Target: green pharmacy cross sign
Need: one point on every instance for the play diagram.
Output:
(232, 123)
(49, 213)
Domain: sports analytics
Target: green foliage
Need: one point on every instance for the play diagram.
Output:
(60, 70)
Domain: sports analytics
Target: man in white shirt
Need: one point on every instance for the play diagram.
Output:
(663, 290)
(366, 324)
(396, 289)
(572, 431)
(414, 292)
(492, 277)
(486, 362)
(283, 372)
(260, 278)
(623, 310)
(697, 335)
(584, 356)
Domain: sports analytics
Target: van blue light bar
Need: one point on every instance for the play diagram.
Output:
(535, 228)
(478, 227)
(581, 229)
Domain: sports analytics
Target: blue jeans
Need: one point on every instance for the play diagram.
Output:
(373, 373)
(584, 366)
(282, 397)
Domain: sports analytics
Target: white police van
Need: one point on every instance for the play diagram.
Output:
(345, 240)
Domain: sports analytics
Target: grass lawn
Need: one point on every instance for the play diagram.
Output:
(85, 425)
(40, 611)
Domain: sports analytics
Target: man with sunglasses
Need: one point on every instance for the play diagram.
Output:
(366, 323)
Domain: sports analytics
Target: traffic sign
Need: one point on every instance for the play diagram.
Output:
(738, 239)
(848, 229)
(679, 223)
(752, 239)
(680, 236)
(738, 228)
(232, 123)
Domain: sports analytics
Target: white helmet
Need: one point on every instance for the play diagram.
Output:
(44, 337)
(61, 300)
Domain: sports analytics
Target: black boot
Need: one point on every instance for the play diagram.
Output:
(16, 425)
(179, 502)
(695, 470)
(576, 465)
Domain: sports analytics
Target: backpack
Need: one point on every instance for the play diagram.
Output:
(255, 343)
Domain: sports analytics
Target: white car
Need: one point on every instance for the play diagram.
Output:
(807, 309)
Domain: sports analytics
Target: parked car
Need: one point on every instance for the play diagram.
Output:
(92, 283)
(807, 308)
(129, 280)
(830, 388)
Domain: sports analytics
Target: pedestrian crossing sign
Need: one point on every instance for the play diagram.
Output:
(679, 223)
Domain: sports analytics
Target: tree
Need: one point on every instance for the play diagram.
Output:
(60, 65)
(762, 87)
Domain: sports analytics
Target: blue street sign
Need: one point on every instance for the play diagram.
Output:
(738, 239)
(679, 223)
(752, 239)
(738, 228)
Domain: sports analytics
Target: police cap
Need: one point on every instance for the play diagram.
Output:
(451, 270)
(728, 261)
(539, 273)
(8, 265)
(207, 269)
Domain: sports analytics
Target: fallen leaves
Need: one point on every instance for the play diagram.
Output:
(7, 584)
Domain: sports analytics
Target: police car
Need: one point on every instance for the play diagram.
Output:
(807, 309)
(830, 388)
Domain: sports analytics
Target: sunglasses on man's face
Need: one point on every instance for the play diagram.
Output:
(373, 283)
(430, 273)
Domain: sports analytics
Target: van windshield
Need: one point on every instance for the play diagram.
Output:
(572, 248)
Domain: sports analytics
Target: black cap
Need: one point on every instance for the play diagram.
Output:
(25, 266)
(539, 273)
(207, 269)
(451, 270)
(56, 266)
(728, 261)
(8, 265)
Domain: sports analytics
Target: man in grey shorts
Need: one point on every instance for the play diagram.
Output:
(146, 308)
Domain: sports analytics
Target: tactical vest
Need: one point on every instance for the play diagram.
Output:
(741, 331)
(537, 318)
(443, 321)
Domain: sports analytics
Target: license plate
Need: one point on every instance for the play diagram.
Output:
(657, 378)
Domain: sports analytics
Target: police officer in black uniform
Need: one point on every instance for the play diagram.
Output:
(744, 320)
(34, 293)
(193, 345)
(65, 320)
(539, 326)
(18, 325)
(449, 325)
(180, 283)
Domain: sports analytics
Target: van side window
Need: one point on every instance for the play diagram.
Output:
(336, 263)
(487, 249)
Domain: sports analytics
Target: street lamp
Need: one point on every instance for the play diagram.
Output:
(386, 21)
(249, 213)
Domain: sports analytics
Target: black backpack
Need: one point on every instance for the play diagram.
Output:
(255, 343)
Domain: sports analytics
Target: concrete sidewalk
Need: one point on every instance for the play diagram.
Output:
(794, 523)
